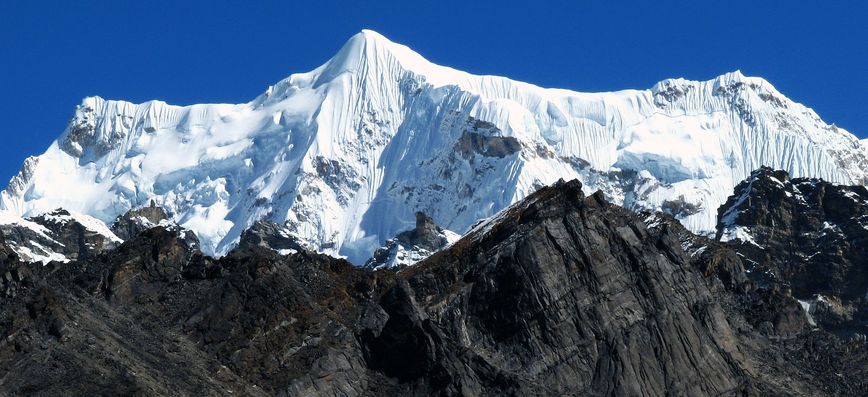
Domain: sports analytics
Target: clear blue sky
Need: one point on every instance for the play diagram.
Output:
(53, 53)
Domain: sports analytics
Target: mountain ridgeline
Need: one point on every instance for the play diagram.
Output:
(345, 155)
(559, 294)
(383, 225)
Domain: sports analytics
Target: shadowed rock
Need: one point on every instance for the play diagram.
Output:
(56, 236)
(411, 246)
(808, 236)
(136, 221)
(560, 294)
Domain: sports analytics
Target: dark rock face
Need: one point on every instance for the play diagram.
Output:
(136, 221)
(56, 235)
(270, 235)
(154, 317)
(564, 295)
(484, 138)
(426, 234)
(10, 274)
(561, 294)
(668, 92)
(770, 310)
(342, 179)
(680, 207)
(806, 235)
(410, 246)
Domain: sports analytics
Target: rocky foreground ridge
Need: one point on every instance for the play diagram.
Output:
(559, 294)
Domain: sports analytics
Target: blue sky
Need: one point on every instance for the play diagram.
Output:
(53, 53)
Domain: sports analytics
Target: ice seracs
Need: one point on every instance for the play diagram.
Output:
(345, 155)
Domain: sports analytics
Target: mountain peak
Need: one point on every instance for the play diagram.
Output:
(372, 53)
(369, 49)
(363, 43)
(345, 155)
(371, 36)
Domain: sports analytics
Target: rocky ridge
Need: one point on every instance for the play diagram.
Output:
(57, 236)
(561, 293)
(806, 235)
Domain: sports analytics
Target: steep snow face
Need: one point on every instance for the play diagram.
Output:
(346, 154)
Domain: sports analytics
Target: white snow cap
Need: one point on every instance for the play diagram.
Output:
(345, 155)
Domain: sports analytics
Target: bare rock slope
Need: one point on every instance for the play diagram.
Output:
(560, 294)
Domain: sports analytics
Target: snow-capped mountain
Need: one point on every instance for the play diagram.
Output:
(345, 155)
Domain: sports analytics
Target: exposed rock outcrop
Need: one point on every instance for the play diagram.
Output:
(806, 235)
(269, 235)
(412, 246)
(136, 221)
(485, 139)
(58, 236)
(560, 294)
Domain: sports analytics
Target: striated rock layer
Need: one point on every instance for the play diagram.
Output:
(560, 294)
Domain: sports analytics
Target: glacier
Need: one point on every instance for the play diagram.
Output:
(346, 154)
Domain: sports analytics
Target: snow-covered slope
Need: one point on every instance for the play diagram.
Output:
(346, 154)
